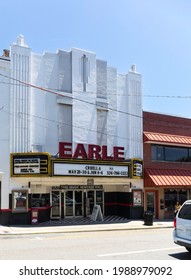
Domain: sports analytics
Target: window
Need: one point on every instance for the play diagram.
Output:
(171, 196)
(40, 200)
(189, 157)
(185, 212)
(169, 153)
(20, 201)
(176, 154)
(157, 152)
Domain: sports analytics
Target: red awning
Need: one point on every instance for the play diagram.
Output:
(168, 177)
(166, 138)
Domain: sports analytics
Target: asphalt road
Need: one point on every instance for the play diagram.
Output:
(152, 244)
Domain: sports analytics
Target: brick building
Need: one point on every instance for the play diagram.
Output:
(167, 162)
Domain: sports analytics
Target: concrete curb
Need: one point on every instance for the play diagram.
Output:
(32, 230)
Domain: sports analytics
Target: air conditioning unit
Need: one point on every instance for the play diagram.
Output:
(37, 148)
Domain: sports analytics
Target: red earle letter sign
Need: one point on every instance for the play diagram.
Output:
(118, 153)
(80, 152)
(94, 152)
(65, 150)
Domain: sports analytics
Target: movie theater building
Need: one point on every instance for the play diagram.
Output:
(167, 163)
(75, 137)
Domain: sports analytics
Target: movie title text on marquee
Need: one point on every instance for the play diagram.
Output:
(27, 165)
(64, 169)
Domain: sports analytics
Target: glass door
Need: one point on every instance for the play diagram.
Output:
(78, 203)
(56, 205)
(73, 203)
(94, 197)
(99, 199)
(69, 204)
(90, 202)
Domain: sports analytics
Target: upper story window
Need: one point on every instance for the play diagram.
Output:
(170, 153)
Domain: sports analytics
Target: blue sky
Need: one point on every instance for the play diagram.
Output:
(153, 34)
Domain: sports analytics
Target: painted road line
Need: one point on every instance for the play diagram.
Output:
(138, 252)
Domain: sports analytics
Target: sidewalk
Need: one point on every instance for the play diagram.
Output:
(41, 229)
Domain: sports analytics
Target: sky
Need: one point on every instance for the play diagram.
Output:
(153, 34)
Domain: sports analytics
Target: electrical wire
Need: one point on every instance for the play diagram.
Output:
(108, 94)
(71, 97)
(22, 83)
(59, 123)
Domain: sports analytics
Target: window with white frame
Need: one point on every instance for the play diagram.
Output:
(19, 201)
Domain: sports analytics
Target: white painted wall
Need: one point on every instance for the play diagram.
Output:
(33, 114)
(5, 113)
(84, 109)
(20, 96)
(134, 121)
(122, 103)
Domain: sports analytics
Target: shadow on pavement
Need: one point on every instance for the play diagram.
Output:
(181, 256)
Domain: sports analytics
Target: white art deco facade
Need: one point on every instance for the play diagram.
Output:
(67, 102)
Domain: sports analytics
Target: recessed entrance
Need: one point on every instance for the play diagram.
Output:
(81, 203)
(75, 203)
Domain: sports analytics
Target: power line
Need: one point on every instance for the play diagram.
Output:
(108, 94)
(62, 123)
(71, 97)
(168, 96)
(22, 83)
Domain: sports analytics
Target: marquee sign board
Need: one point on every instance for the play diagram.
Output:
(29, 164)
(65, 169)
(26, 165)
(137, 168)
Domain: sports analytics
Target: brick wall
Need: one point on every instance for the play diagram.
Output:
(159, 123)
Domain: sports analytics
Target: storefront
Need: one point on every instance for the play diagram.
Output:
(167, 163)
(171, 197)
(164, 188)
(60, 188)
(162, 202)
